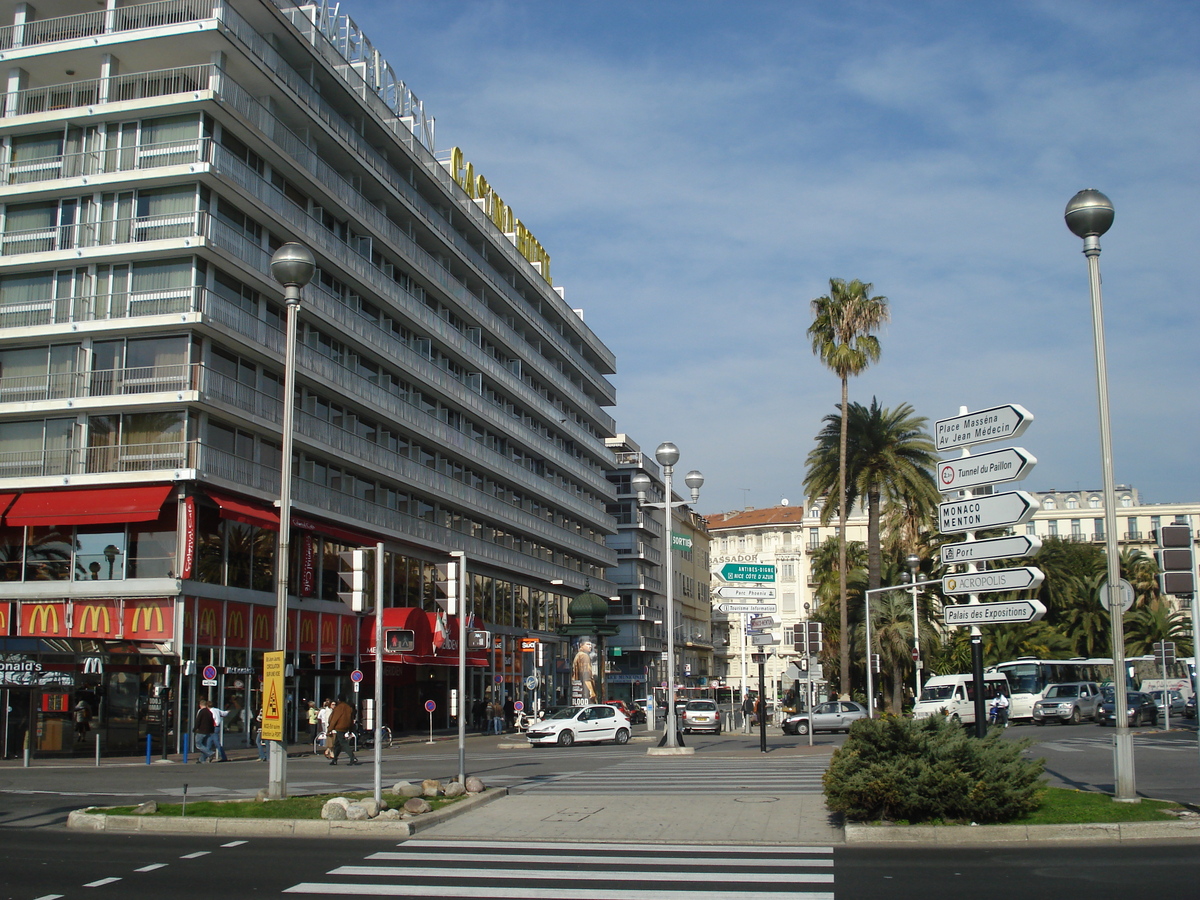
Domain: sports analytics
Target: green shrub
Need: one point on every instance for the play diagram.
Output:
(925, 770)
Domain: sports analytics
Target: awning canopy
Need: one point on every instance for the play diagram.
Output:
(89, 506)
(422, 624)
(248, 512)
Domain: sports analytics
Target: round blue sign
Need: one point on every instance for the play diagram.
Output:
(430, 706)
(356, 676)
(210, 672)
(518, 705)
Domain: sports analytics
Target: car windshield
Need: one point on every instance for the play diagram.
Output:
(938, 692)
(702, 705)
(567, 712)
(1062, 690)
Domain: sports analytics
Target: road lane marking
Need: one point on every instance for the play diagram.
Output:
(101, 882)
(196, 855)
(151, 867)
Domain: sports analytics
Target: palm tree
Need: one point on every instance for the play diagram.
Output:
(842, 333)
(889, 457)
(1153, 622)
(825, 571)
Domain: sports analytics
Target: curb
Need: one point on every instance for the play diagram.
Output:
(82, 820)
(979, 835)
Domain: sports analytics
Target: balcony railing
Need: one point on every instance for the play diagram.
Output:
(135, 86)
(105, 382)
(104, 162)
(1135, 536)
(91, 24)
(93, 460)
(82, 235)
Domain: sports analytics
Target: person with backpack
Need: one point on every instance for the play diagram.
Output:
(341, 720)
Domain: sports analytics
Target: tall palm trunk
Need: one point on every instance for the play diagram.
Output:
(844, 605)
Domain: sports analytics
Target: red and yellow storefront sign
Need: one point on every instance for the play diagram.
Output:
(128, 619)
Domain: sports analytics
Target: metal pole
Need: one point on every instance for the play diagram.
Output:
(460, 602)
(379, 594)
(277, 776)
(762, 706)
(912, 568)
(1123, 740)
(668, 471)
(870, 674)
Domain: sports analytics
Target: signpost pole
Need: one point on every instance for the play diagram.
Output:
(460, 604)
(762, 705)
(378, 672)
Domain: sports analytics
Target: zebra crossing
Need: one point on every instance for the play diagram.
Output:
(686, 775)
(582, 871)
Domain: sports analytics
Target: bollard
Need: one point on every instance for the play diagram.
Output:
(96, 733)
(149, 750)
(187, 741)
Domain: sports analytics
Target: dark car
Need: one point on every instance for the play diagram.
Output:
(635, 715)
(1140, 708)
(1189, 708)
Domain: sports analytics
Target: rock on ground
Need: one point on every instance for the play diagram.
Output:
(417, 805)
(145, 809)
(455, 789)
(431, 787)
(474, 784)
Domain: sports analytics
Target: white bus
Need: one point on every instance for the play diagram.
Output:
(1029, 676)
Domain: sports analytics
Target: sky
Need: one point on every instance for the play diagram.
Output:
(699, 170)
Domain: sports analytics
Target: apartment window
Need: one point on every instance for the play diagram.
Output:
(1052, 528)
(1093, 502)
(1072, 503)
(1076, 528)
(1098, 527)
(1048, 503)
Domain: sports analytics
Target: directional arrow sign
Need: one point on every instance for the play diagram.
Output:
(990, 613)
(992, 511)
(1012, 547)
(762, 622)
(993, 580)
(1011, 464)
(729, 592)
(746, 607)
(747, 572)
(763, 639)
(993, 424)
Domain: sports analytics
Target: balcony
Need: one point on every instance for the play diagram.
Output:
(1135, 536)
(92, 24)
(124, 458)
(93, 91)
(104, 162)
(102, 383)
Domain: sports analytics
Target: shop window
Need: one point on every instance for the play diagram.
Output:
(100, 554)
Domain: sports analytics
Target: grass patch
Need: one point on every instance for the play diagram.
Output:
(308, 807)
(1061, 806)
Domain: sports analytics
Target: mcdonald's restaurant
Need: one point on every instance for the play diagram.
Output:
(106, 642)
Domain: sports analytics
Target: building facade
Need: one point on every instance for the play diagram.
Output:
(152, 158)
(785, 537)
(638, 607)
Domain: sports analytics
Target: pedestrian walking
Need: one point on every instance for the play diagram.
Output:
(83, 720)
(747, 712)
(341, 720)
(314, 719)
(323, 723)
(203, 729)
(216, 741)
(497, 717)
(262, 745)
(479, 715)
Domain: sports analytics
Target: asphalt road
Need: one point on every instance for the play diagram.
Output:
(100, 866)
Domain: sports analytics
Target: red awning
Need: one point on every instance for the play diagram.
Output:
(337, 532)
(89, 506)
(248, 512)
(5, 502)
(421, 624)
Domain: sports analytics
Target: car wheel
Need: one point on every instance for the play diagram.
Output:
(566, 738)
(1075, 716)
(718, 732)
(622, 736)
(801, 728)
(955, 719)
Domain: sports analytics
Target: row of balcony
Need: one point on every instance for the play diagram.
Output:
(93, 24)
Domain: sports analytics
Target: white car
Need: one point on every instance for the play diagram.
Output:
(564, 727)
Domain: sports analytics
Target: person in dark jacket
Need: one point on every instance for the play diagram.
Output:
(340, 721)
(205, 731)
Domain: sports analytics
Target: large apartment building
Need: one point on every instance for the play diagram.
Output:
(153, 156)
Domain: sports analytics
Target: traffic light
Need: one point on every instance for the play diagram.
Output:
(1177, 567)
(816, 637)
(447, 587)
(875, 664)
(353, 575)
(399, 640)
(804, 664)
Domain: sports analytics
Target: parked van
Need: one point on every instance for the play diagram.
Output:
(954, 696)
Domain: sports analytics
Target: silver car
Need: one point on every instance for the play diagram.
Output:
(1178, 704)
(836, 715)
(1071, 702)
(701, 715)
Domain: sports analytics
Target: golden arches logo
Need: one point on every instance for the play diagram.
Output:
(307, 627)
(90, 617)
(41, 615)
(328, 632)
(347, 634)
(235, 626)
(208, 622)
(3, 618)
(262, 626)
(152, 619)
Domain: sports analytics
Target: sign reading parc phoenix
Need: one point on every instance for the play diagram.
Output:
(995, 424)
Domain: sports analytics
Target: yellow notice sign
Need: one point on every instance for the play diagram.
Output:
(272, 700)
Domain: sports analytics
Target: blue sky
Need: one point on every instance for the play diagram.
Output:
(699, 170)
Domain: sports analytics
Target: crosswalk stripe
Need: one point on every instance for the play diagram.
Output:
(624, 863)
(606, 847)
(694, 869)
(491, 892)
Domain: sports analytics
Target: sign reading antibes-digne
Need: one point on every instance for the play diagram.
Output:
(498, 211)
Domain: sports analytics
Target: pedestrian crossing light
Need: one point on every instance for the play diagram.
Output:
(353, 575)
(479, 640)
(1176, 563)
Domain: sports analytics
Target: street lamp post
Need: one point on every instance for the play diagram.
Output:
(867, 601)
(914, 563)
(292, 265)
(667, 455)
(1089, 214)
